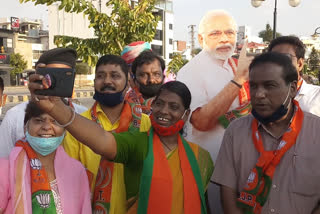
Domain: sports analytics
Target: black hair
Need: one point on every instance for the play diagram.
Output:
(32, 110)
(147, 57)
(297, 44)
(178, 88)
(113, 60)
(1, 84)
(289, 72)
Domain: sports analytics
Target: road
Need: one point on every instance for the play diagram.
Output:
(87, 102)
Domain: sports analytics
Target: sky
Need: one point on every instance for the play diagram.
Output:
(300, 21)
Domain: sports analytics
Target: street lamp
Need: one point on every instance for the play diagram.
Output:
(292, 3)
(315, 35)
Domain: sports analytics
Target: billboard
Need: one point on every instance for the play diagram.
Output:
(15, 23)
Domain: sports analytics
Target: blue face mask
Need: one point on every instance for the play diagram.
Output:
(44, 146)
(109, 100)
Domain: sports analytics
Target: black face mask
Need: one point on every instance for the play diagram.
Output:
(149, 90)
(277, 115)
(109, 100)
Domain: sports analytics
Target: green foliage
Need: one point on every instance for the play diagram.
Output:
(267, 34)
(82, 68)
(17, 63)
(112, 32)
(314, 60)
(176, 63)
(195, 51)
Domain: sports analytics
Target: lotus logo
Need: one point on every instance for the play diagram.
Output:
(35, 164)
(251, 178)
(43, 200)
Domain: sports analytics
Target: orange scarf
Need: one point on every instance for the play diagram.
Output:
(102, 191)
(42, 197)
(155, 195)
(257, 189)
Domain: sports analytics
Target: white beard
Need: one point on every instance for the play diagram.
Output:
(221, 56)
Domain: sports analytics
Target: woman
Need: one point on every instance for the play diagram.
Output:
(40, 176)
(163, 173)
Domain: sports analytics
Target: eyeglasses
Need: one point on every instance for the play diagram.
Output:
(216, 34)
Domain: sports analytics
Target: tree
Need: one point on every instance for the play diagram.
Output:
(176, 63)
(125, 24)
(196, 51)
(18, 65)
(82, 68)
(267, 34)
(313, 63)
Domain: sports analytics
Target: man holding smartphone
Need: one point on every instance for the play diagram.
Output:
(11, 128)
(114, 114)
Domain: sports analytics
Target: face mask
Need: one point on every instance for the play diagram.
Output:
(109, 100)
(277, 115)
(149, 90)
(166, 131)
(44, 146)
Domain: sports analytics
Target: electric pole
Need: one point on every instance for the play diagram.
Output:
(192, 33)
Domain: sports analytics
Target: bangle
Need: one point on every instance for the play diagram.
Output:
(237, 84)
(71, 120)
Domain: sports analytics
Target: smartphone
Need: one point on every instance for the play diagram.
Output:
(57, 81)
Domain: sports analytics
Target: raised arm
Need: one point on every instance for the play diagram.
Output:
(84, 130)
(206, 117)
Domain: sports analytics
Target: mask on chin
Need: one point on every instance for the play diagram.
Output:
(275, 116)
(167, 131)
(109, 100)
(44, 146)
(149, 90)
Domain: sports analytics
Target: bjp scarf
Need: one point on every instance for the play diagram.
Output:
(244, 101)
(42, 196)
(257, 189)
(104, 180)
(155, 192)
(138, 105)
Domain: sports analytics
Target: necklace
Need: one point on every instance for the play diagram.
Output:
(167, 146)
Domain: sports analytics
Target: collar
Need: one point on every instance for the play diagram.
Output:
(304, 88)
(104, 115)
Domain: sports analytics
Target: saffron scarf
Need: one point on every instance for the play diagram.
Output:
(257, 189)
(155, 192)
(244, 101)
(42, 197)
(104, 180)
(138, 105)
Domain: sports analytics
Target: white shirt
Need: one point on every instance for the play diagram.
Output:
(205, 78)
(309, 98)
(12, 127)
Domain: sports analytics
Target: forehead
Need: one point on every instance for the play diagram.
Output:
(154, 65)
(220, 22)
(169, 96)
(106, 68)
(284, 48)
(266, 72)
(44, 116)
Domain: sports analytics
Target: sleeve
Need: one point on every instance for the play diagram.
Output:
(71, 146)
(7, 133)
(225, 170)
(4, 184)
(145, 123)
(131, 147)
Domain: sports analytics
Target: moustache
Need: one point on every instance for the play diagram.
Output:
(107, 87)
(224, 46)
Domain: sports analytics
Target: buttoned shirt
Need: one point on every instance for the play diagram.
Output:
(309, 98)
(205, 78)
(295, 185)
(11, 128)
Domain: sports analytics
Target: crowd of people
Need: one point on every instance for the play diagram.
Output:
(228, 136)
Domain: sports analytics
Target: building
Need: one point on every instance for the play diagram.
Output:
(23, 36)
(183, 48)
(311, 42)
(76, 25)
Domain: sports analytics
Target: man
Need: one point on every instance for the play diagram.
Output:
(11, 128)
(113, 114)
(217, 86)
(268, 161)
(147, 70)
(3, 97)
(308, 95)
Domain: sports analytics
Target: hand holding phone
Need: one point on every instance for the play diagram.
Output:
(56, 82)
